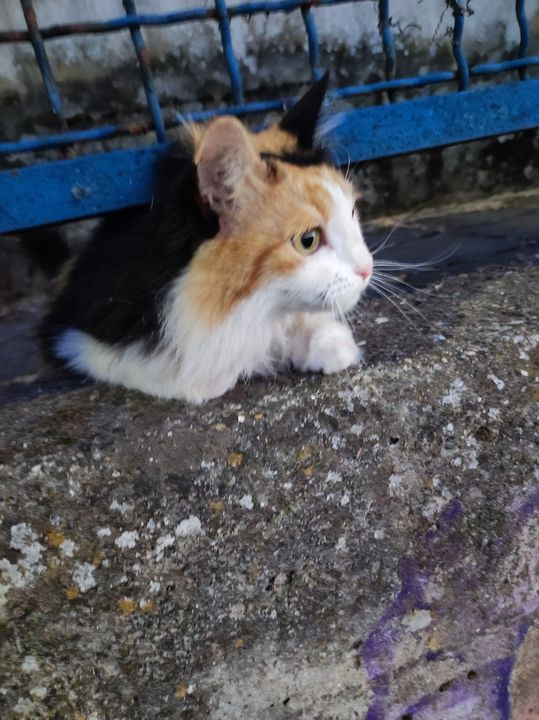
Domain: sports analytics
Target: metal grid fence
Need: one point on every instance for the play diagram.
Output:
(90, 185)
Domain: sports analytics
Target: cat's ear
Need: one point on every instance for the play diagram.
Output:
(302, 117)
(225, 159)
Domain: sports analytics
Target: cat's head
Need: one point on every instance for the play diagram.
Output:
(289, 227)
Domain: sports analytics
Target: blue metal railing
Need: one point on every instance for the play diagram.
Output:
(147, 80)
(399, 126)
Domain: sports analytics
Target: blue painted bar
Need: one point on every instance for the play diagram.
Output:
(522, 20)
(388, 43)
(312, 39)
(458, 53)
(230, 58)
(78, 188)
(251, 8)
(147, 80)
(494, 68)
(70, 138)
(70, 189)
(110, 131)
(437, 121)
(254, 108)
(173, 18)
(43, 62)
(419, 81)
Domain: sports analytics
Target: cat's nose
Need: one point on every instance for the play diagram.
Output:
(364, 271)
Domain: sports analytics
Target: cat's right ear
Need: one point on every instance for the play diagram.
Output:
(300, 121)
(225, 159)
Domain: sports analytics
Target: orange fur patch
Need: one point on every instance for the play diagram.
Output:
(274, 140)
(227, 270)
(270, 140)
(280, 201)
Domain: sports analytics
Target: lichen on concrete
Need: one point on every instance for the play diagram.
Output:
(357, 546)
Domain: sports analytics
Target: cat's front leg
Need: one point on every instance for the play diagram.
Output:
(319, 343)
(201, 391)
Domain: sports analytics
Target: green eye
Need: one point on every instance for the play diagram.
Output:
(308, 243)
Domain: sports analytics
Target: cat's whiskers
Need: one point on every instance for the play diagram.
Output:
(347, 173)
(391, 284)
(326, 301)
(386, 284)
(421, 266)
(393, 229)
(345, 319)
(332, 303)
(385, 288)
(339, 315)
(395, 279)
(387, 295)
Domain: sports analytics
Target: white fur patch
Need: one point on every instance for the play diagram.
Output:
(318, 343)
(193, 362)
(329, 279)
(344, 231)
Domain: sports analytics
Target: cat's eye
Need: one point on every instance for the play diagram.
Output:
(307, 243)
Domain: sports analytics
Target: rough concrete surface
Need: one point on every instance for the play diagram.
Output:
(364, 545)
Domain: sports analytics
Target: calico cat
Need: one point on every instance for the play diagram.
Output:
(250, 249)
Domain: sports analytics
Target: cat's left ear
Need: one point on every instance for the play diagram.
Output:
(301, 119)
(227, 167)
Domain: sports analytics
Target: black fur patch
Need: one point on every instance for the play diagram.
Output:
(301, 119)
(305, 158)
(46, 248)
(117, 286)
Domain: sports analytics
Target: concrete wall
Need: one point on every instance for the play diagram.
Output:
(98, 74)
(99, 80)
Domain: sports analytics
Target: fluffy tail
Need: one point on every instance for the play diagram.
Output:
(47, 248)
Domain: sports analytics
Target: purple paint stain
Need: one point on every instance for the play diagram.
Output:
(436, 702)
(531, 505)
(432, 655)
(427, 702)
(522, 631)
(377, 650)
(449, 514)
(410, 596)
(452, 511)
(503, 668)
(411, 592)
(496, 676)
(377, 710)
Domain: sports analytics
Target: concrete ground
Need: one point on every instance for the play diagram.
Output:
(364, 545)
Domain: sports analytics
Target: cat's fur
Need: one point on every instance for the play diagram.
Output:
(204, 287)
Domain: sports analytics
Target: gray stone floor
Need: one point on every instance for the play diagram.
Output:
(359, 546)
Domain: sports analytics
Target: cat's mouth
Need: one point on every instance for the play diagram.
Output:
(344, 294)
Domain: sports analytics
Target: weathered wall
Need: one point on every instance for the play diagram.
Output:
(99, 80)
(98, 74)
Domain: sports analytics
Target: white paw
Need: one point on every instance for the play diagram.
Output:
(200, 393)
(332, 348)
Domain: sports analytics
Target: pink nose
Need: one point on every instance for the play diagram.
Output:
(365, 271)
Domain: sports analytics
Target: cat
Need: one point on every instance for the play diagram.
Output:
(249, 251)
